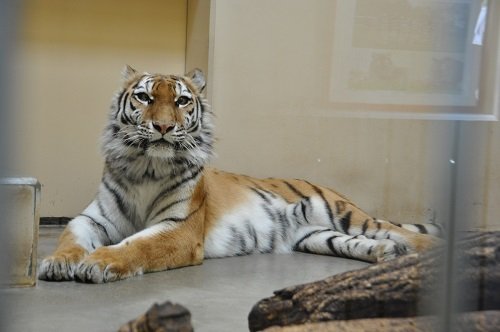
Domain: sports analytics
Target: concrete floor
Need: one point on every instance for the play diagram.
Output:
(219, 293)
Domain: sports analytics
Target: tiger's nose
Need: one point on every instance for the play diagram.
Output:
(163, 128)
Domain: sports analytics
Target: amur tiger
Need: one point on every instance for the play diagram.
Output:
(159, 206)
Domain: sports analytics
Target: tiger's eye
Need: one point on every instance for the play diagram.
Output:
(142, 96)
(182, 101)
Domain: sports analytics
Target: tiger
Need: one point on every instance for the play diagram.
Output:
(161, 206)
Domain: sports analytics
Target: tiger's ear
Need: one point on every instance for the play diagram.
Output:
(198, 79)
(128, 73)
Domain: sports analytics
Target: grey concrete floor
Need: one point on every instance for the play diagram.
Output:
(219, 293)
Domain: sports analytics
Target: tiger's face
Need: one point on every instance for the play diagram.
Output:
(162, 114)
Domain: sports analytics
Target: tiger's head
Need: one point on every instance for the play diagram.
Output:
(160, 116)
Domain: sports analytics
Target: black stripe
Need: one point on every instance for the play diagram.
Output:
(258, 186)
(234, 235)
(272, 242)
(99, 225)
(262, 189)
(294, 190)
(243, 244)
(131, 105)
(261, 195)
(125, 117)
(169, 206)
(119, 100)
(117, 178)
(173, 187)
(303, 209)
(106, 217)
(395, 223)
(174, 219)
(193, 128)
(329, 242)
(365, 226)
(308, 235)
(284, 223)
(269, 212)
(345, 222)
(238, 240)
(114, 129)
(182, 219)
(306, 250)
(196, 116)
(101, 211)
(325, 202)
(265, 250)
(421, 228)
(295, 211)
(251, 231)
(118, 199)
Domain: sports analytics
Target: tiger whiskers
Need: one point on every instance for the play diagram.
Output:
(134, 135)
(189, 143)
(131, 139)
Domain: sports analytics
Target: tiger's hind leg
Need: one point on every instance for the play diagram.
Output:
(325, 241)
(346, 218)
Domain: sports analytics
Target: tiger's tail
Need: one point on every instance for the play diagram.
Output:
(424, 228)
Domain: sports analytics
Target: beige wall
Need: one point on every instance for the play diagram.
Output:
(197, 35)
(271, 74)
(69, 66)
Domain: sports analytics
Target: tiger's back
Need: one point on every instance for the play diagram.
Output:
(248, 215)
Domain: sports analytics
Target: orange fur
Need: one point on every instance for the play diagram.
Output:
(68, 249)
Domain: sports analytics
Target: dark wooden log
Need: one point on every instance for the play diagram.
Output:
(403, 287)
(479, 321)
(166, 317)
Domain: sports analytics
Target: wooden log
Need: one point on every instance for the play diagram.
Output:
(479, 321)
(396, 288)
(166, 317)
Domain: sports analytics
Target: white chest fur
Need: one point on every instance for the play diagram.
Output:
(154, 204)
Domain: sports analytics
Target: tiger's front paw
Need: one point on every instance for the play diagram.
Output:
(105, 265)
(61, 266)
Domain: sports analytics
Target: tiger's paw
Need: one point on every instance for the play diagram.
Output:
(387, 249)
(104, 265)
(61, 266)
